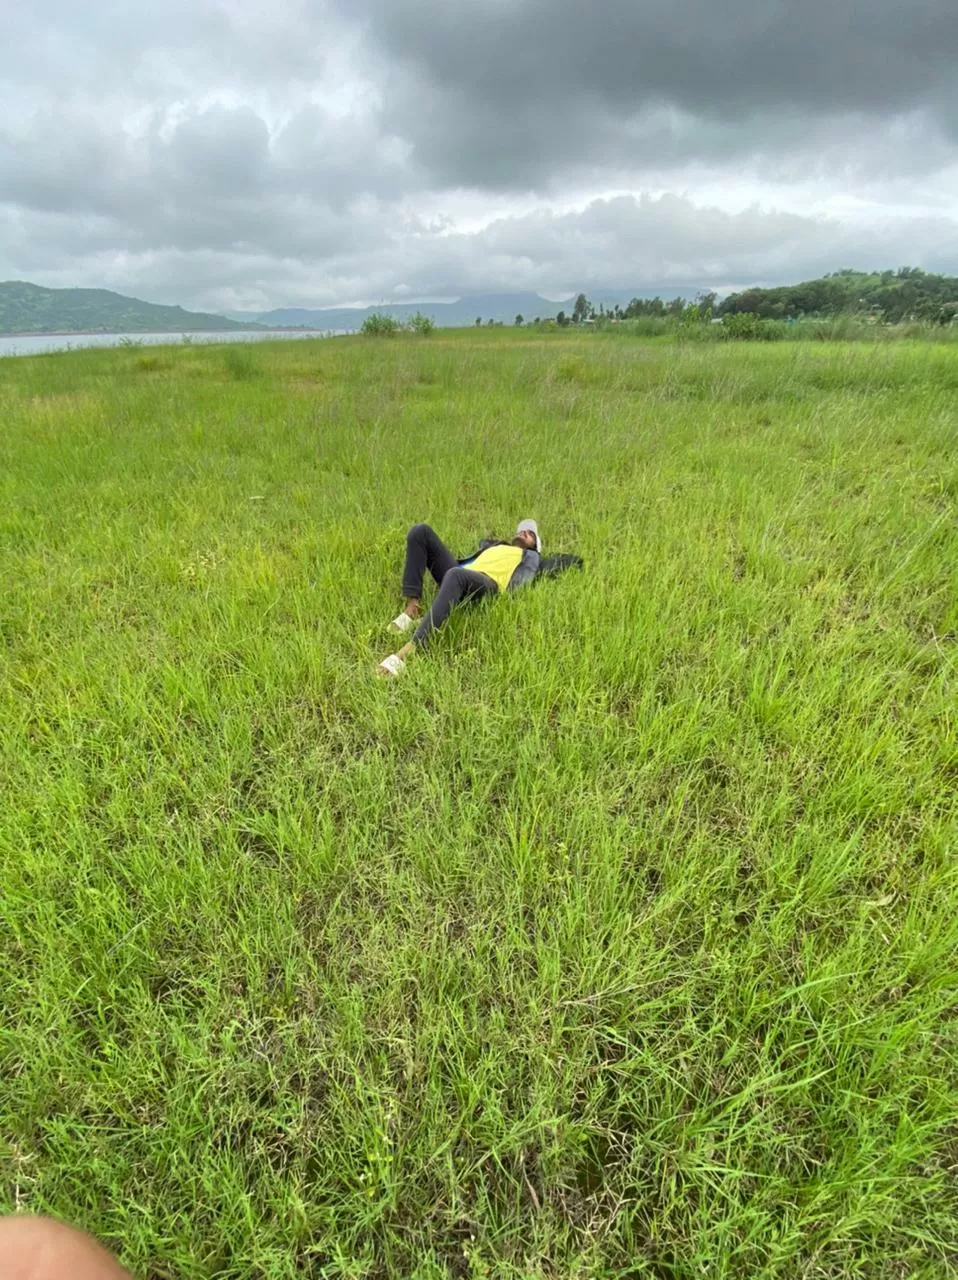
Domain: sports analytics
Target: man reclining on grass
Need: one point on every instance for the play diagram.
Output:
(496, 566)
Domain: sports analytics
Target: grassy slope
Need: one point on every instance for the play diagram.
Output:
(616, 939)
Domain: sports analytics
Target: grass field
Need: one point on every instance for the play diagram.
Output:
(618, 938)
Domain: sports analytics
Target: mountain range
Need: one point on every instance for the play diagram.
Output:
(456, 313)
(31, 309)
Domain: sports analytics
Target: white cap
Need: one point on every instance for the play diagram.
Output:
(531, 525)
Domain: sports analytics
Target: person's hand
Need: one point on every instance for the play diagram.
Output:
(33, 1248)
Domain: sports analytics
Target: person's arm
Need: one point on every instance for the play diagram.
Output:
(525, 571)
(552, 566)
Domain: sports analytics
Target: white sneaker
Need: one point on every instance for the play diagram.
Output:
(392, 665)
(403, 623)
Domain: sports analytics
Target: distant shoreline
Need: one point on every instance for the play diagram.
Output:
(134, 333)
(37, 344)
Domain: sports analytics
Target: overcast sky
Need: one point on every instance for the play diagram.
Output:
(244, 154)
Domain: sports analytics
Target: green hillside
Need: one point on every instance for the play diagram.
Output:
(616, 938)
(29, 308)
(889, 296)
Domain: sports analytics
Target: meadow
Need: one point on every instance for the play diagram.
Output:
(617, 938)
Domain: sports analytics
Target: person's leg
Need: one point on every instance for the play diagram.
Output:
(34, 1248)
(457, 586)
(424, 550)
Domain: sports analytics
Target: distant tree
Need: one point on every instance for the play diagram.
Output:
(478, 321)
(697, 313)
(581, 309)
(490, 322)
(562, 318)
(637, 307)
(519, 321)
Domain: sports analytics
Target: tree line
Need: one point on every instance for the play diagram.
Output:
(887, 297)
(584, 311)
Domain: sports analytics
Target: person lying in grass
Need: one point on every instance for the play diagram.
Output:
(495, 567)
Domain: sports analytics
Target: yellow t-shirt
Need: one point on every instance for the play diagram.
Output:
(498, 562)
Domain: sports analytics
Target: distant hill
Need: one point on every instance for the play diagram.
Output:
(28, 308)
(463, 311)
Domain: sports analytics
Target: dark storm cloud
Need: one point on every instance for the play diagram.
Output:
(499, 92)
(725, 57)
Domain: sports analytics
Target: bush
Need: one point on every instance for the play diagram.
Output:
(379, 325)
(153, 363)
(744, 326)
(240, 363)
(421, 324)
(837, 328)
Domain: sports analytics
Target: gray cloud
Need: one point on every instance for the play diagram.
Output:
(214, 179)
(161, 51)
(511, 80)
(658, 242)
(225, 153)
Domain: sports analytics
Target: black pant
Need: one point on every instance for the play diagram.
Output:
(425, 550)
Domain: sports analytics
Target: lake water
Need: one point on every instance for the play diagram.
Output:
(36, 343)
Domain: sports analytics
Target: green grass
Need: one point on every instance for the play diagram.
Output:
(617, 939)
